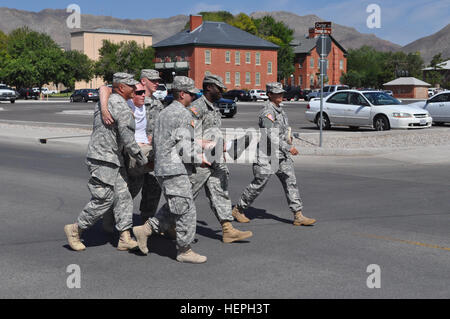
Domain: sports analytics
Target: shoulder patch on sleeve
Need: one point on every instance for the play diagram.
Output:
(192, 123)
(270, 117)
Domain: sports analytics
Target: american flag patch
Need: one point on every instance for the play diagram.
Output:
(270, 117)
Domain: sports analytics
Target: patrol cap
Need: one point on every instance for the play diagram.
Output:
(183, 83)
(124, 78)
(150, 74)
(274, 87)
(214, 79)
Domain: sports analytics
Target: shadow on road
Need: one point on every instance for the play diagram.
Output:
(257, 213)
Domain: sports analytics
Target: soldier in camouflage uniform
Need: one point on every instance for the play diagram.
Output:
(214, 178)
(145, 182)
(108, 182)
(175, 149)
(274, 117)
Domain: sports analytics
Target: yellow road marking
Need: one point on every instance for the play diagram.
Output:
(416, 243)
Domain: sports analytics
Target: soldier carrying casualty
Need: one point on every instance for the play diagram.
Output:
(105, 161)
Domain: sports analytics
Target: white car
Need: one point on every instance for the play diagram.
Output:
(256, 94)
(375, 109)
(7, 94)
(438, 106)
(161, 92)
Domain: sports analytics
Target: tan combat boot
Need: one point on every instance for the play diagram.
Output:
(301, 220)
(142, 233)
(238, 214)
(187, 255)
(231, 234)
(73, 233)
(126, 242)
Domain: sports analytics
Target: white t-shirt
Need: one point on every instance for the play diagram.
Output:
(141, 123)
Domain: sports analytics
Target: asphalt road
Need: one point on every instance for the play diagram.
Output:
(387, 211)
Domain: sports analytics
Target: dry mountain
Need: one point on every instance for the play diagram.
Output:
(53, 22)
(431, 45)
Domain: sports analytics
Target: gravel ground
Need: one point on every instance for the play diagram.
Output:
(367, 140)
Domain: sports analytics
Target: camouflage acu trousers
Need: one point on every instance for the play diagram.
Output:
(285, 174)
(215, 180)
(151, 193)
(179, 209)
(108, 187)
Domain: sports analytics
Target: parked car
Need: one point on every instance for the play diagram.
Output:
(237, 95)
(327, 90)
(85, 95)
(294, 92)
(389, 92)
(7, 94)
(432, 91)
(47, 91)
(226, 107)
(66, 91)
(257, 94)
(161, 92)
(438, 106)
(28, 93)
(366, 108)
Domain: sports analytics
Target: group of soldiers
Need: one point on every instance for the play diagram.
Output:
(138, 145)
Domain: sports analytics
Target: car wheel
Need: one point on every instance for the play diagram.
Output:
(438, 123)
(296, 98)
(13, 101)
(85, 100)
(236, 99)
(381, 123)
(255, 99)
(326, 125)
(71, 100)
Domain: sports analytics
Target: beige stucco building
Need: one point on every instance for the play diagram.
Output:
(89, 42)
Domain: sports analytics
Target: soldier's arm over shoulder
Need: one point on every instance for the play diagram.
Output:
(126, 127)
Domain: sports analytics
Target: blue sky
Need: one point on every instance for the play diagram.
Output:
(401, 21)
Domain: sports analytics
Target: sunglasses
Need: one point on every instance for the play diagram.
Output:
(140, 92)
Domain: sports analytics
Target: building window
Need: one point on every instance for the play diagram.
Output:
(237, 79)
(227, 78)
(227, 57)
(207, 57)
(311, 80)
(248, 79)
(269, 67)
(311, 64)
(258, 78)
(300, 83)
(248, 58)
(207, 73)
(341, 64)
(238, 58)
(258, 58)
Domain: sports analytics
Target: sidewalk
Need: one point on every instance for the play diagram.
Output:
(425, 146)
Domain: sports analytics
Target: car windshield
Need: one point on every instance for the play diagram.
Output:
(381, 98)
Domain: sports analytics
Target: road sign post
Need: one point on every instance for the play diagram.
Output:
(323, 47)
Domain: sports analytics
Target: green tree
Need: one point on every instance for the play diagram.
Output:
(244, 22)
(436, 60)
(75, 67)
(32, 59)
(126, 56)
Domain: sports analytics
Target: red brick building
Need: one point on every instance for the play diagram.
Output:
(307, 68)
(243, 60)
